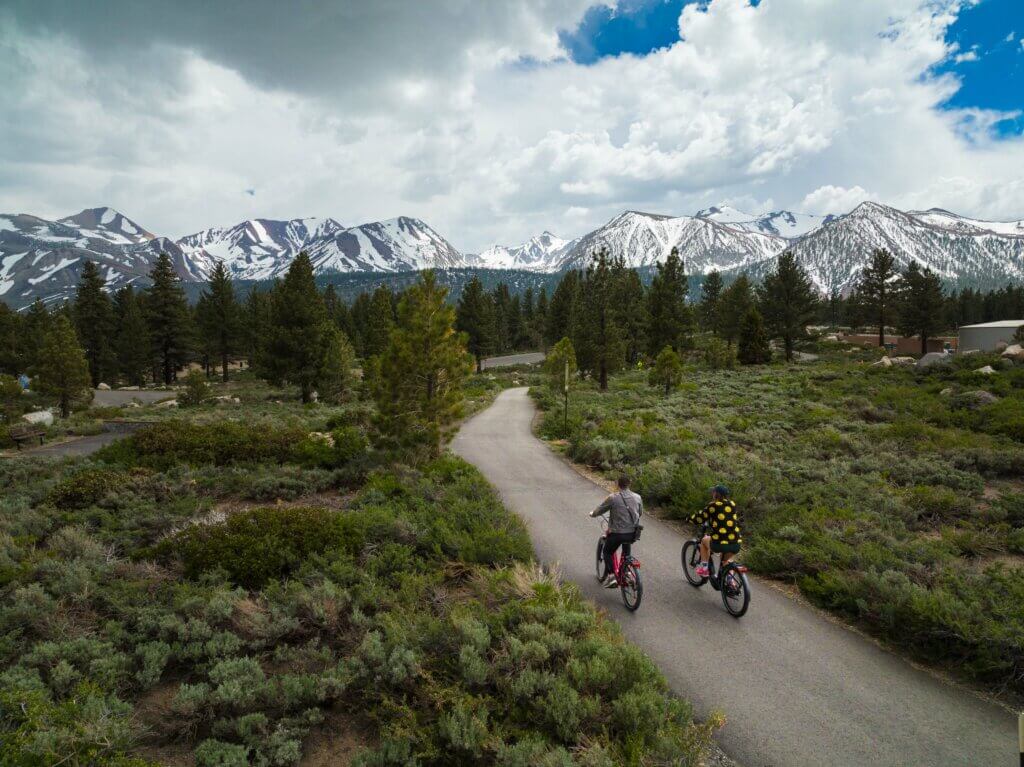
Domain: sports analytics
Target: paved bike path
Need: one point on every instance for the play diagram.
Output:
(796, 688)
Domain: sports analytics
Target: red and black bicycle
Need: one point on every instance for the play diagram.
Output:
(627, 572)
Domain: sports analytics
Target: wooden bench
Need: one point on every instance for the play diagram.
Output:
(25, 433)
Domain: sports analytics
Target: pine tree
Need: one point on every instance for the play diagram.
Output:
(596, 334)
(562, 308)
(94, 321)
(734, 303)
(34, 327)
(501, 303)
(710, 293)
(10, 331)
(920, 302)
(379, 322)
(335, 378)
(62, 369)
(134, 355)
(475, 318)
(670, 321)
(875, 290)
(754, 347)
(297, 331)
(169, 319)
(359, 320)
(256, 328)
(788, 302)
(540, 319)
(630, 306)
(667, 371)
(220, 320)
(418, 382)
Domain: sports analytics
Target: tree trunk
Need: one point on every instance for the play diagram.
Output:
(307, 394)
(668, 388)
(224, 366)
(788, 342)
(603, 376)
(881, 324)
(479, 363)
(65, 406)
(924, 344)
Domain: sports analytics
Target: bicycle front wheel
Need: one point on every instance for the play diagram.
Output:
(631, 585)
(602, 571)
(690, 557)
(735, 590)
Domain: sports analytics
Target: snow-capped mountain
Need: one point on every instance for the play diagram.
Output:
(396, 245)
(543, 253)
(44, 258)
(957, 249)
(645, 239)
(781, 223)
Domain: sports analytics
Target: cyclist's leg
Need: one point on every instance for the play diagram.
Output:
(611, 544)
(705, 548)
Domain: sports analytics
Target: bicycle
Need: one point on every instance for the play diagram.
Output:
(730, 580)
(627, 572)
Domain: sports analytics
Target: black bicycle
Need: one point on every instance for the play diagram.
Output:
(730, 580)
(627, 572)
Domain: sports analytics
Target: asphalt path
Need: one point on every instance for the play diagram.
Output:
(797, 689)
(529, 358)
(118, 397)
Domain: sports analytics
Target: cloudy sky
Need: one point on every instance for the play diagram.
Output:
(495, 120)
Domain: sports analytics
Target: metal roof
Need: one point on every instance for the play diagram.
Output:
(999, 324)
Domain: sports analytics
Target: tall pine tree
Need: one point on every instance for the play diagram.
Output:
(169, 319)
(789, 302)
(597, 334)
(379, 321)
(875, 290)
(735, 301)
(63, 371)
(94, 322)
(475, 318)
(754, 347)
(710, 293)
(220, 322)
(562, 308)
(418, 381)
(669, 318)
(298, 329)
(134, 353)
(921, 303)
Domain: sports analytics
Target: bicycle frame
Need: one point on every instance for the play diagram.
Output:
(617, 558)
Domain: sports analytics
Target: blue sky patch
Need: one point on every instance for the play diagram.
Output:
(636, 26)
(990, 60)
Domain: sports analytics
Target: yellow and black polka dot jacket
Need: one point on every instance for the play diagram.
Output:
(723, 519)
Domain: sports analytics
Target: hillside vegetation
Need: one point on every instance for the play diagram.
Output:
(238, 587)
(893, 498)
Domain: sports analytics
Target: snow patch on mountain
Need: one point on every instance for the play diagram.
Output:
(542, 253)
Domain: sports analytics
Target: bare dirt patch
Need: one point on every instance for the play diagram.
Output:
(335, 742)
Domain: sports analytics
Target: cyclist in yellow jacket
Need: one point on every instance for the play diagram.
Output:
(723, 534)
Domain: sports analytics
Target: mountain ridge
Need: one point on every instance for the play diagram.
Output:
(43, 258)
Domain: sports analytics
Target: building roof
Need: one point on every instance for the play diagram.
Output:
(999, 324)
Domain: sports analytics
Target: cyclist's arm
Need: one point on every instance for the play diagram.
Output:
(603, 508)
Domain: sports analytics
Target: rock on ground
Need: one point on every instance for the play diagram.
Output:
(40, 418)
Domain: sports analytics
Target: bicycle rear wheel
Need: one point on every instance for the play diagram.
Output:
(602, 571)
(690, 557)
(735, 590)
(631, 585)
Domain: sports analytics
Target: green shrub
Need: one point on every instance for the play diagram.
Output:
(85, 488)
(256, 546)
(196, 391)
(719, 356)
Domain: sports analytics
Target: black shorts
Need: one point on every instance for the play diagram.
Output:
(724, 548)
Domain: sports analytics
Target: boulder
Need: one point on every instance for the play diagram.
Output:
(885, 362)
(127, 388)
(133, 403)
(987, 370)
(102, 387)
(903, 361)
(1001, 347)
(166, 404)
(39, 418)
(972, 400)
(1014, 353)
(227, 400)
(314, 397)
(932, 359)
(947, 392)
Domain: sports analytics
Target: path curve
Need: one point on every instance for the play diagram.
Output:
(526, 358)
(797, 689)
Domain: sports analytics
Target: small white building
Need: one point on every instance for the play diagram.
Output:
(986, 336)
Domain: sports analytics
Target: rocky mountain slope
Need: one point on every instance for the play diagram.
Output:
(42, 258)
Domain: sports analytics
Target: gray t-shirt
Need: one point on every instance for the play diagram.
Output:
(624, 510)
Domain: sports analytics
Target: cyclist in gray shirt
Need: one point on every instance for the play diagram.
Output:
(624, 510)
